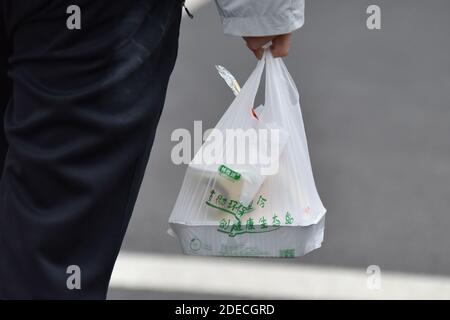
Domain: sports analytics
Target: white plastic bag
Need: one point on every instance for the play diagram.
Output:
(262, 212)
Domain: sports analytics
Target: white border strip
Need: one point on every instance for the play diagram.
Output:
(266, 279)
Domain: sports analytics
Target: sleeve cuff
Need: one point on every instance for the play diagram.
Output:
(263, 25)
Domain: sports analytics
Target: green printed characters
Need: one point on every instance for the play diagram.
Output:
(211, 195)
(263, 223)
(275, 221)
(288, 219)
(287, 253)
(221, 200)
(236, 227)
(224, 224)
(233, 205)
(261, 201)
(249, 226)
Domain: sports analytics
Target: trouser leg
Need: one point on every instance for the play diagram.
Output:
(80, 126)
(5, 88)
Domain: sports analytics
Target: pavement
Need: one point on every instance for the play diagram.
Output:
(376, 107)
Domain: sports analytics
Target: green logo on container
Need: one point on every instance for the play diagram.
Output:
(229, 173)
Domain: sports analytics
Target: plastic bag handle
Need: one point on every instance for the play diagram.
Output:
(272, 66)
(277, 66)
(248, 92)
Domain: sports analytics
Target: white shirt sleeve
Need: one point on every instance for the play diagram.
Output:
(260, 17)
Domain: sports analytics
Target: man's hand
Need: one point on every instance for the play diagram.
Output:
(280, 45)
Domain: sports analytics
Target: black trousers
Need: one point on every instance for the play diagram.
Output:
(80, 111)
